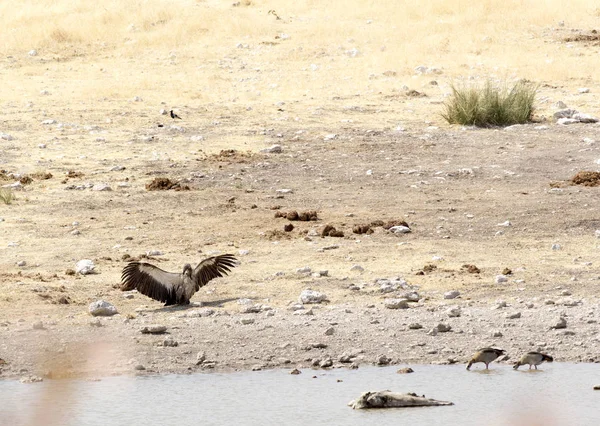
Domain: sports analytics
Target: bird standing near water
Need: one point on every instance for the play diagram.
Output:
(533, 358)
(485, 355)
(174, 116)
(173, 288)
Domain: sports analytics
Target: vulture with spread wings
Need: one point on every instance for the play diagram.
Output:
(172, 288)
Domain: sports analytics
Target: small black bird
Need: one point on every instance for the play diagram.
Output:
(174, 116)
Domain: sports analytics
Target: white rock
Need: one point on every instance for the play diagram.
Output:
(361, 269)
(21, 263)
(565, 113)
(50, 121)
(330, 137)
(137, 99)
(501, 279)
(396, 303)
(556, 247)
(154, 329)
(304, 270)
(583, 90)
(85, 267)
(284, 191)
(162, 111)
(32, 52)
(507, 223)
(451, 294)
(196, 138)
(6, 137)
(400, 229)
(154, 253)
(312, 296)
(560, 105)
(585, 118)
(117, 168)
(567, 121)
(597, 233)
(101, 187)
(101, 308)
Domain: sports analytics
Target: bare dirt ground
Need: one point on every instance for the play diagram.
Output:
(354, 155)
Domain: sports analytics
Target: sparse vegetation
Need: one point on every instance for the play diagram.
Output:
(6, 195)
(490, 105)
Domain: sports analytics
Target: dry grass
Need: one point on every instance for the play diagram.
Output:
(6, 195)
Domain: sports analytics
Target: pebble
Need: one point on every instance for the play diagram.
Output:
(295, 371)
(514, 315)
(501, 279)
(443, 328)
(85, 267)
(312, 296)
(556, 247)
(31, 379)
(405, 370)
(275, 149)
(38, 325)
(101, 308)
(415, 326)
(153, 329)
(506, 223)
(169, 342)
(32, 52)
(326, 363)
(140, 367)
(396, 303)
(21, 263)
(561, 323)
(361, 269)
(497, 334)
(400, 229)
(454, 312)
(304, 270)
(6, 137)
(200, 357)
(154, 253)
(329, 331)
(247, 321)
(451, 294)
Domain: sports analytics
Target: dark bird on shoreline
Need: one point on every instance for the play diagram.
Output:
(174, 288)
(485, 355)
(174, 116)
(533, 358)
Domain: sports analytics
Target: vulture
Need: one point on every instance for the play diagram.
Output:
(532, 358)
(485, 355)
(173, 288)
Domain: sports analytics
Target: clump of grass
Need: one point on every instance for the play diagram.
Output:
(6, 195)
(490, 105)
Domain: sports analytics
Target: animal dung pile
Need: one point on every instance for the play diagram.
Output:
(306, 216)
(368, 228)
(164, 184)
(330, 231)
(586, 178)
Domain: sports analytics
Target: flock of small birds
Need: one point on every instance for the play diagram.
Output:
(487, 355)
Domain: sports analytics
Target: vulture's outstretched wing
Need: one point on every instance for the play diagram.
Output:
(212, 267)
(152, 281)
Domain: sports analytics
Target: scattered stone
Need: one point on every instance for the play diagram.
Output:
(32, 52)
(139, 367)
(326, 363)
(85, 267)
(443, 328)
(454, 312)
(330, 231)
(154, 253)
(565, 293)
(247, 321)
(396, 303)
(400, 229)
(501, 279)
(31, 379)
(556, 247)
(561, 323)
(329, 331)
(304, 270)
(415, 326)
(96, 323)
(288, 227)
(200, 358)
(497, 334)
(169, 342)
(38, 325)
(21, 263)
(275, 149)
(154, 329)
(506, 223)
(101, 308)
(405, 370)
(295, 371)
(311, 296)
(101, 187)
(451, 294)
(514, 315)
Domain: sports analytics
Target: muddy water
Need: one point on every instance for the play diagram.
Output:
(558, 394)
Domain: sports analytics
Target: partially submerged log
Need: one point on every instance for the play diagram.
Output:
(388, 399)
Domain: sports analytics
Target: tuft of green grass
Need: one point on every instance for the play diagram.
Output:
(490, 105)
(6, 195)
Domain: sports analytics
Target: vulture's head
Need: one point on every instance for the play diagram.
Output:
(187, 270)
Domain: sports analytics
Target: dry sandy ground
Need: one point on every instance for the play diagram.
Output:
(344, 156)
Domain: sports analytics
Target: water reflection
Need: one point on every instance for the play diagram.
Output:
(557, 394)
